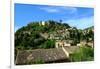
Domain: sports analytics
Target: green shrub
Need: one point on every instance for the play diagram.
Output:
(84, 54)
(48, 44)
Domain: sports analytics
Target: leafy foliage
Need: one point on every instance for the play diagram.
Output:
(28, 37)
(48, 44)
(84, 54)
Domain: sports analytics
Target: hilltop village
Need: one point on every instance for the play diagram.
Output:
(50, 41)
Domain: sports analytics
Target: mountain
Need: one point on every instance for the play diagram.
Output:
(45, 34)
(29, 36)
(46, 26)
(89, 28)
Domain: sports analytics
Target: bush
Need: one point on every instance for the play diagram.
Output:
(48, 44)
(84, 54)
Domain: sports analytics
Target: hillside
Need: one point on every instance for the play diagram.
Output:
(45, 34)
(90, 28)
(30, 34)
(49, 41)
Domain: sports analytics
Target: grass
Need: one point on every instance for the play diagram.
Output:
(84, 54)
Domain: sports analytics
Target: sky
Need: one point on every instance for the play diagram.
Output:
(80, 17)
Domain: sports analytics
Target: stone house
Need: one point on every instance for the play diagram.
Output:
(84, 43)
(61, 43)
(53, 55)
(27, 32)
(90, 44)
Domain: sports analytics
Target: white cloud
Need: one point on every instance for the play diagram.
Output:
(70, 9)
(50, 9)
(54, 9)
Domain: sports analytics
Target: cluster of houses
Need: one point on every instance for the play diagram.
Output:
(60, 35)
(62, 38)
(65, 43)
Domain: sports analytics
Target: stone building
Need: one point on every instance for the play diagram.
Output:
(62, 43)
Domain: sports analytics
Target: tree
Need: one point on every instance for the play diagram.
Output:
(48, 44)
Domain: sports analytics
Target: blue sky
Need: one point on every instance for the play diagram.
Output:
(79, 17)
